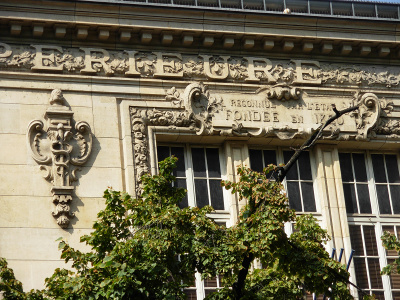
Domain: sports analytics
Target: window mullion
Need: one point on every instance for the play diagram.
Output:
(388, 184)
(365, 257)
(207, 176)
(190, 177)
(382, 261)
(300, 187)
(355, 183)
(373, 196)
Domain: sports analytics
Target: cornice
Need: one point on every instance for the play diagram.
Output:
(109, 25)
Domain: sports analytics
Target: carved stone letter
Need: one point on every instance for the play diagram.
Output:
(132, 71)
(6, 50)
(90, 59)
(300, 72)
(253, 69)
(49, 59)
(218, 70)
(174, 69)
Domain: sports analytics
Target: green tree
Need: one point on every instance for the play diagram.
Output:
(149, 248)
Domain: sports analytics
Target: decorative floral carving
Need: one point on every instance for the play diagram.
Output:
(71, 63)
(388, 127)
(174, 96)
(146, 63)
(141, 118)
(217, 65)
(59, 159)
(173, 66)
(194, 67)
(283, 73)
(200, 108)
(22, 58)
(237, 68)
(367, 115)
(334, 73)
(283, 92)
(212, 67)
(119, 63)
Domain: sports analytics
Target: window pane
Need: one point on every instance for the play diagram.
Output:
(201, 188)
(363, 199)
(359, 167)
(375, 273)
(379, 295)
(213, 165)
(181, 183)
(383, 199)
(191, 294)
(299, 6)
(210, 282)
(209, 291)
(370, 240)
(292, 174)
(345, 167)
(342, 9)
(199, 163)
(305, 166)
(395, 195)
(162, 152)
(308, 196)
(256, 160)
(394, 278)
(364, 10)
(274, 5)
(350, 198)
(392, 168)
(253, 4)
(396, 295)
(379, 168)
(294, 196)
(356, 239)
(270, 157)
(217, 199)
(361, 272)
(180, 165)
(320, 7)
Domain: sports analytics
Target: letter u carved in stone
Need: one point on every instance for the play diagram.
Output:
(67, 149)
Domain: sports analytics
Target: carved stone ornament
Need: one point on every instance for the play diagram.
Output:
(59, 150)
(281, 111)
(156, 64)
(199, 108)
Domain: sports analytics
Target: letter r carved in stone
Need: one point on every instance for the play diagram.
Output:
(59, 151)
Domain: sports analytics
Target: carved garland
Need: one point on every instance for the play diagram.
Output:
(60, 151)
(132, 63)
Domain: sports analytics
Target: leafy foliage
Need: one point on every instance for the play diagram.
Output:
(149, 248)
(12, 288)
(390, 242)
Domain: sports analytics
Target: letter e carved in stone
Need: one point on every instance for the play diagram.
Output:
(59, 151)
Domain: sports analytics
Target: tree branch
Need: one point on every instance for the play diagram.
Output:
(282, 171)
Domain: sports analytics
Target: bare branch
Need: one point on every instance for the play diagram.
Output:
(282, 171)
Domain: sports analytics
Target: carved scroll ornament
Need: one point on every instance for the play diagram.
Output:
(199, 107)
(59, 150)
(278, 111)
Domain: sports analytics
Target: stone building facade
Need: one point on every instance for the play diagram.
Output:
(93, 93)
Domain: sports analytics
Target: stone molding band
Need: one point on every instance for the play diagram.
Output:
(202, 67)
